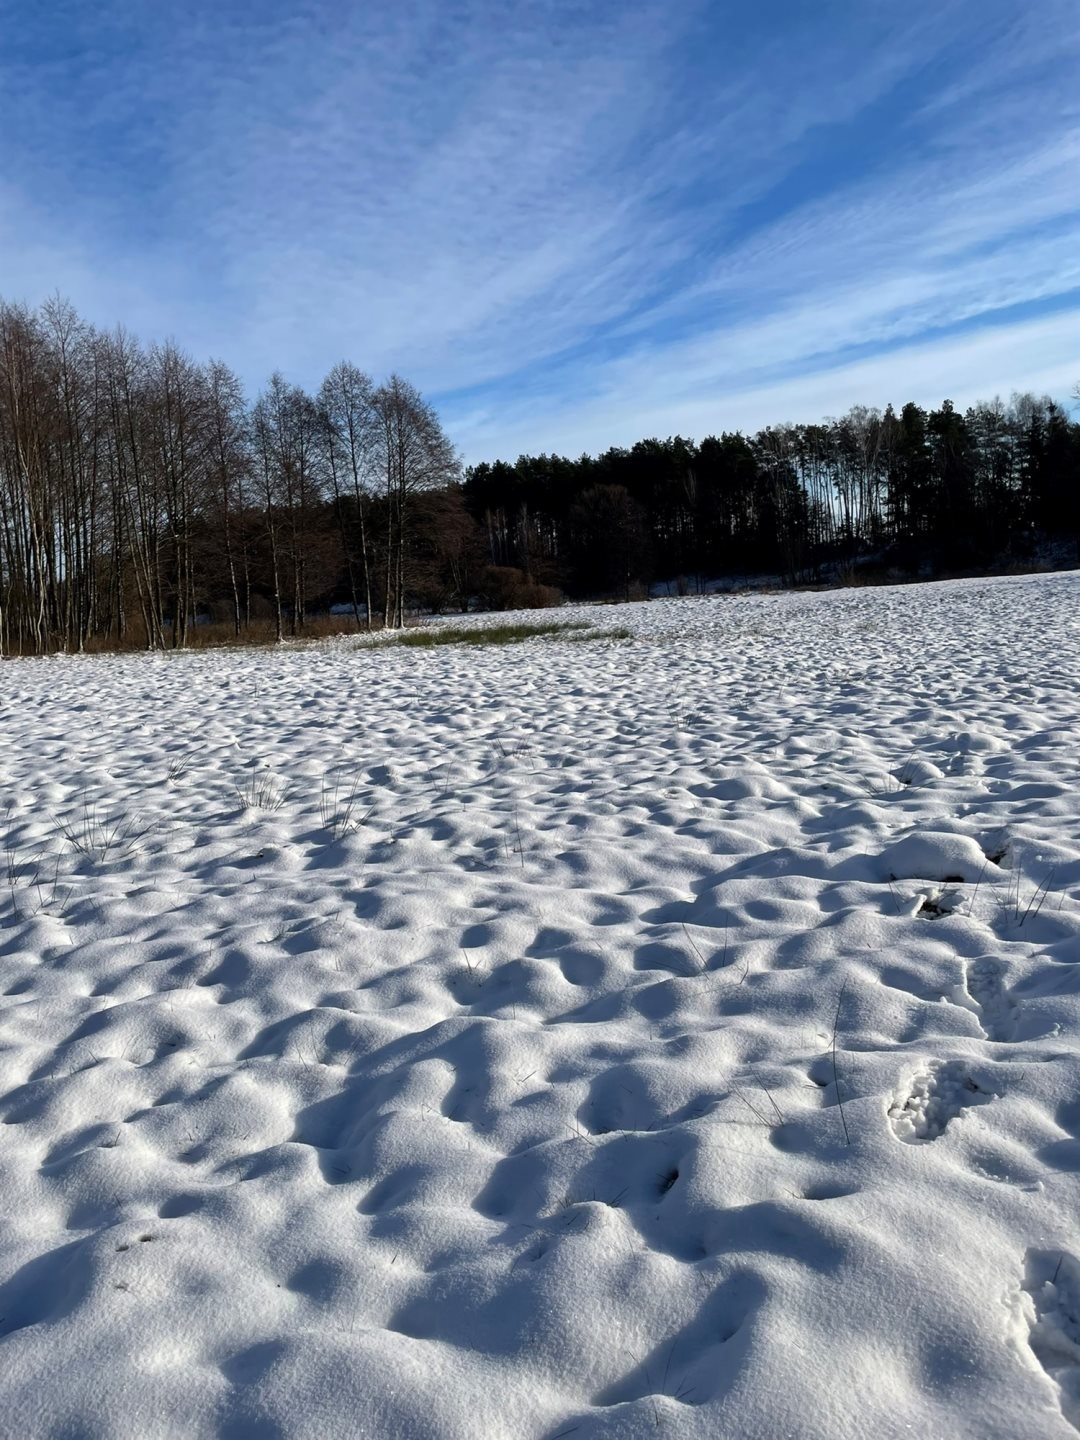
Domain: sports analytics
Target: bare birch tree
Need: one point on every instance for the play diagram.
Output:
(414, 455)
(350, 435)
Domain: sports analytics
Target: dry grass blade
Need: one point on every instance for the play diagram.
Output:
(518, 844)
(836, 1073)
(702, 966)
(1038, 899)
(769, 1096)
(752, 1108)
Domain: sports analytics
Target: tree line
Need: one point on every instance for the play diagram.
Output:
(877, 493)
(145, 502)
(141, 494)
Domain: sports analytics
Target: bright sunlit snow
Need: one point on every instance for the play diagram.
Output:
(603, 1037)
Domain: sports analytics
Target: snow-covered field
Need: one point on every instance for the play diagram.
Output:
(676, 1034)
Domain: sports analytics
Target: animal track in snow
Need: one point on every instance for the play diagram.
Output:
(998, 1014)
(944, 1092)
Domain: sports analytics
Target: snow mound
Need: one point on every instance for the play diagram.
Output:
(928, 855)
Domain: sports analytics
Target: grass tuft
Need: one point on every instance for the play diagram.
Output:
(339, 806)
(262, 791)
(100, 835)
(34, 882)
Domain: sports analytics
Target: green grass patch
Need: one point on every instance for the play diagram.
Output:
(616, 632)
(426, 638)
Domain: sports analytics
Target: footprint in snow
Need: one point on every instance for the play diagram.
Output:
(944, 1092)
(998, 1014)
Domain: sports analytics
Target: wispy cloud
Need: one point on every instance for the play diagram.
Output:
(564, 217)
(639, 399)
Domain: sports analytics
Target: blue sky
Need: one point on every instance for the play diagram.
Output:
(571, 222)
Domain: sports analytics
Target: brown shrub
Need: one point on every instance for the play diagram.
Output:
(504, 588)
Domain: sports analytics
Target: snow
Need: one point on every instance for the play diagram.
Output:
(599, 1038)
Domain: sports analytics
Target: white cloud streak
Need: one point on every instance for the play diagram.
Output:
(1042, 356)
(539, 210)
